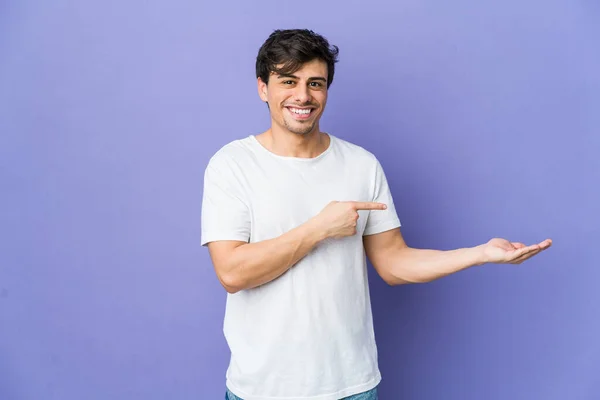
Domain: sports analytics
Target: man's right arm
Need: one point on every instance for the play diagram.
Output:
(240, 265)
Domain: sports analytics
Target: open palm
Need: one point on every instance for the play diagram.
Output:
(501, 251)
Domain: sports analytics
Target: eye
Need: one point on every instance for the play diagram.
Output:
(316, 84)
(288, 82)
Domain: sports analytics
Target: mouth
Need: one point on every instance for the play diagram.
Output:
(300, 113)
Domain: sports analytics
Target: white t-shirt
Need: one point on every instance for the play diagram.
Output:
(309, 333)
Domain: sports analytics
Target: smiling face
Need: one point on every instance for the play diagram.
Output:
(297, 100)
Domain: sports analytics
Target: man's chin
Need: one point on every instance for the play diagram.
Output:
(301, 130)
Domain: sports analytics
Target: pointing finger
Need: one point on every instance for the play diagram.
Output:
(366, 205)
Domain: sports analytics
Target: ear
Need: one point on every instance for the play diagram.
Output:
(262, 90)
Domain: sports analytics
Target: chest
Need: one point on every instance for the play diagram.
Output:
(286, 197)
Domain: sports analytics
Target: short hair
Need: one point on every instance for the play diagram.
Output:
(285, 51)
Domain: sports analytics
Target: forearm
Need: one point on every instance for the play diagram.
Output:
(422, 265)
(254, 264)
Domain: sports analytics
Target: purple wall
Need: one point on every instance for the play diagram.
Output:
(486, 118)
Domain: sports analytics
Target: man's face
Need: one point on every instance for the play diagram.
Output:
(297, 101)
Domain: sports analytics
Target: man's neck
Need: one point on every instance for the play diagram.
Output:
(288, 144)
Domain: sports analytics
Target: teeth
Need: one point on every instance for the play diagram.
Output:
(299, 111)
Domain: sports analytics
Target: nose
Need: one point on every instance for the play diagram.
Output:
(302, 94)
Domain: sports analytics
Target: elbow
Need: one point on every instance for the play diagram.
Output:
(232, 277)
(391, 278)
(399, 275)
(228, 274)
(231, 290)
(229, 279)
(230, 283)
(397, 282)
(394, 280)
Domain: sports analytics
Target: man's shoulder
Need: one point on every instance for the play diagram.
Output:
(358, 152)
(235, 151)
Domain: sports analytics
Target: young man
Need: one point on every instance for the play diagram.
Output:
(288, 216)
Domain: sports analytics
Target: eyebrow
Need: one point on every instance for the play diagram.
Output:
(314, 78)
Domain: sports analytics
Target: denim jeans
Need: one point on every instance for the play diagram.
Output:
(370, 395)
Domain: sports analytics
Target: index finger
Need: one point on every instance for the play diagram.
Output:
(368, 205)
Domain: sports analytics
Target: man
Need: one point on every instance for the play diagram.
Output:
(288, 216)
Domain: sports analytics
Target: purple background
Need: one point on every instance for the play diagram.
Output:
(486, 118)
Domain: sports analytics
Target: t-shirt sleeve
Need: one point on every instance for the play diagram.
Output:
(381, 220)
(225, 215)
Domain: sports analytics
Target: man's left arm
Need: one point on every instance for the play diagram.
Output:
(397, 263)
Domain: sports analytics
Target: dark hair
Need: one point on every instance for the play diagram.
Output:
(291, 48)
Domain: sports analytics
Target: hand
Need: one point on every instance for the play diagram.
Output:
(338, 218)
(502, 251)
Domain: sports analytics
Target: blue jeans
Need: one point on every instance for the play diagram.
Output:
(370, 395)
